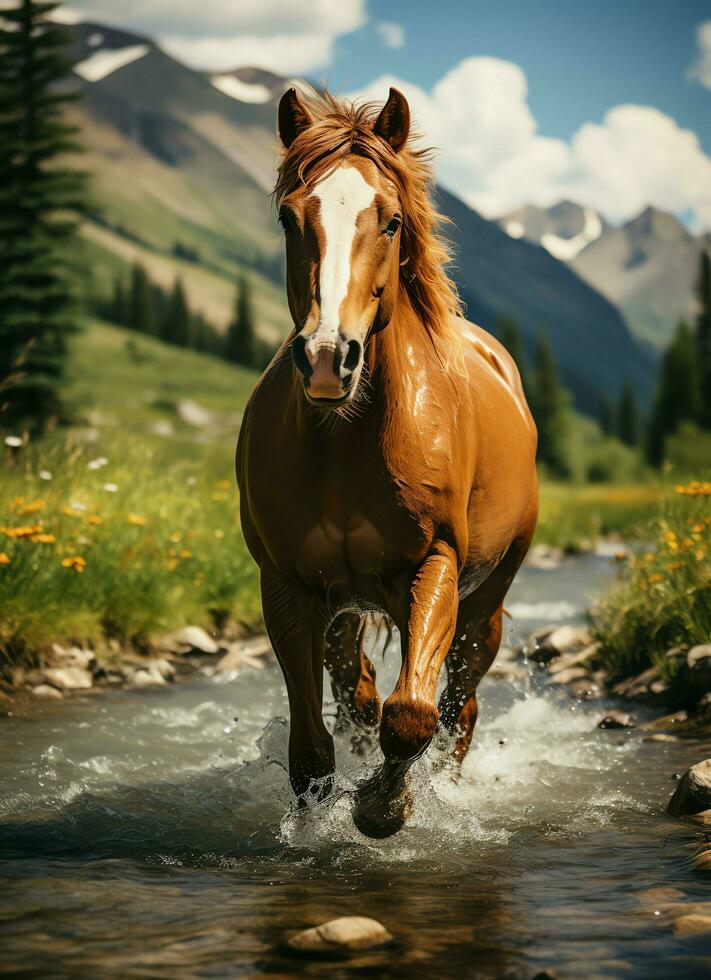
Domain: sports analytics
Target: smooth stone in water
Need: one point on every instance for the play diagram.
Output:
(617, 719)
(68, 678)
(692, 925)
(693, 794)
(48, 692)
(350, 932)
(196, 638)
(702, 861)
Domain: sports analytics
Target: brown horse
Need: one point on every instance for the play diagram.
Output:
(387, 456)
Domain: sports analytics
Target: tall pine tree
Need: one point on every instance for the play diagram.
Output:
(678, 397)
(141, 313)
(607, 416)
(39, 198)
(549, 402)
(627, 423)
(703, 339)
(240, 342)
(177, 322)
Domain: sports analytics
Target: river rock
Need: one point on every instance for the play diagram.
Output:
(698, 660)
(563, 639)
(694, 924)
(544, 557)
(703, 818)
(48, 692)
(661, 737)
(660, 895)
(702, 861)
(251, 652)
(195, 638)
(68, 678)
(666, 722)
(693, 794)
(569, 675)
(617, 719)
(645, 686)
(507, 671)
(580, 658)
(149, 676)
(71, 657)
(350, 932)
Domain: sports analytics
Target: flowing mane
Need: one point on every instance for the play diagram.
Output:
(340, 128)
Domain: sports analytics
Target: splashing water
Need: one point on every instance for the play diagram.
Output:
(153, 833)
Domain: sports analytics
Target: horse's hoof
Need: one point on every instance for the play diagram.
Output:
(379, 819)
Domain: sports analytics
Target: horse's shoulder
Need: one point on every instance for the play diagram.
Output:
(490, 350)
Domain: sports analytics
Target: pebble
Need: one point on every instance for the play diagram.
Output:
(196, 638)
(570, 674)
(693, 794)
(617, 719)
(702, 861)
(692, 925)
(68, 678)
(350, 932)
(661, 737)
(48, 692)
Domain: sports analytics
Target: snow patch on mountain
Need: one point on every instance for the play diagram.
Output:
(102, 63)
(241, 91)
(566, 249)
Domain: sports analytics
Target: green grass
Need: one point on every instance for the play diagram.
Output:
(662, 595)
(574, 516)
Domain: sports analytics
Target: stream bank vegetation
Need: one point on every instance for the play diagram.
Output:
(659, 605)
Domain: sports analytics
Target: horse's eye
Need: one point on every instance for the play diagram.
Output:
(286, 220)
(392, 227)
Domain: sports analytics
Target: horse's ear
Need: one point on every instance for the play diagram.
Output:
(292, 117)
(393, 123)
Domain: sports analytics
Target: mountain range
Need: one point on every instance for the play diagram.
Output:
(647, 266)
(182, 166)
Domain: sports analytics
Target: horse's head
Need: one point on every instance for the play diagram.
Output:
(342, 219)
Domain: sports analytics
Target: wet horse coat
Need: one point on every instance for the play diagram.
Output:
(386, 459)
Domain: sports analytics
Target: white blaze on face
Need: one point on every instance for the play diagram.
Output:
(342, 196)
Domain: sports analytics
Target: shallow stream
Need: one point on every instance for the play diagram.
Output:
(150, 833)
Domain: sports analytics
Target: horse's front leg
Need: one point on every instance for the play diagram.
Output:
(295, 624)
(409, 717)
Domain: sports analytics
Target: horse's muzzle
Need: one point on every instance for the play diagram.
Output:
(328, 370)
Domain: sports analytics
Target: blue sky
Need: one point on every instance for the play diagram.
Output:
(580, 58)
(606, 103)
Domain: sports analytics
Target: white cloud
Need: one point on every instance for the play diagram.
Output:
(392, 35)
(492, 154)
(281, 53)
(700, 71)
(281, 35)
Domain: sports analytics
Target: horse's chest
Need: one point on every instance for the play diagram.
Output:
(348, 546)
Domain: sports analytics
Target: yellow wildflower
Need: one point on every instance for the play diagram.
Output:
(186, 554)
(22, 532)
(219, 533)
(16, 502)
(223, 484)
(4, 560)
(76, 562)
(43, 538)
(136, 519)
(655, 578)
(31, 508)
(94, 519)
(175, 537)
(70, 512)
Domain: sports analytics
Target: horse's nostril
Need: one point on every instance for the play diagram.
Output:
(298, 353)
(353, 354)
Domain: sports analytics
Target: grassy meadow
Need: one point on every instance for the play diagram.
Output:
(126, 523)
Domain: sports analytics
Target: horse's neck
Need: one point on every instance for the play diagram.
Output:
(410, 379)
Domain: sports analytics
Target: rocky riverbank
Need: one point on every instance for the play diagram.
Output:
(571, 659)
(176, 656)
